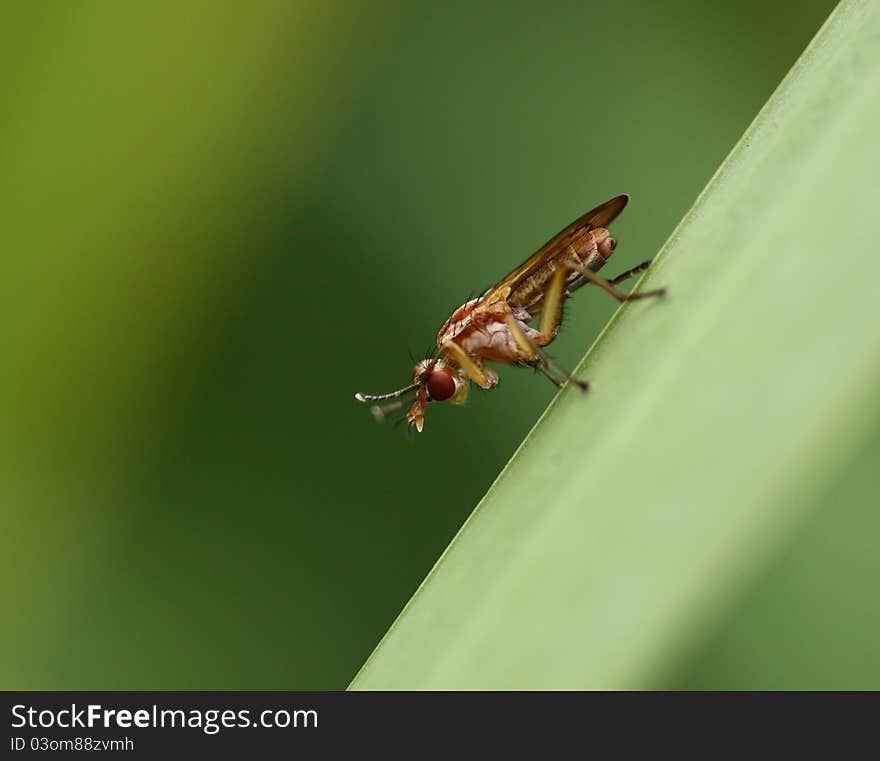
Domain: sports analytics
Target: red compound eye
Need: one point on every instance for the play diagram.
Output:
(441, 385)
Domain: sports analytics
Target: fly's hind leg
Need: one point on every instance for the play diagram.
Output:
(619, 279)
(629, 273)
(608, 285)
(551, 315)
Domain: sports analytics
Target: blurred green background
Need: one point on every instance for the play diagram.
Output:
(221, 220)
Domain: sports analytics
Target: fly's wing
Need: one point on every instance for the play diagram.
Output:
(601, 216)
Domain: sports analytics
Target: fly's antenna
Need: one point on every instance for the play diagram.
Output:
(382, 397)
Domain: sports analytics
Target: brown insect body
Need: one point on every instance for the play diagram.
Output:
(494, 327)
(591, 250)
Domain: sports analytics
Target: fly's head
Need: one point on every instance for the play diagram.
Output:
(434, 380)
(437, 381)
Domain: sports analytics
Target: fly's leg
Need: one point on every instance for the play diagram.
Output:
(541, 360)
(552, 378)
(480, 375)
(619, 279)
(551, 315)
(608, 285)
(629, 273)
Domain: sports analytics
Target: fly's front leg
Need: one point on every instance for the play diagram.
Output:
(482, 376)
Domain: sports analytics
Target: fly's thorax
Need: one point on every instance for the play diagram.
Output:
(458, 321)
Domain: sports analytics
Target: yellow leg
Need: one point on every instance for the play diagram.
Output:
(551, 315)
(480, 375)
(551, 311)
(525, 345)
(615, 280)
(533, 353)
(608, 287)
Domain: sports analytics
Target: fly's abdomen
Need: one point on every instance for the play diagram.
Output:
(590, 250)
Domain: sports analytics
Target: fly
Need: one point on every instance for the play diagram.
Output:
(495, 326)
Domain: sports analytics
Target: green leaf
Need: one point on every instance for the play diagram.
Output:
(633, 526)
